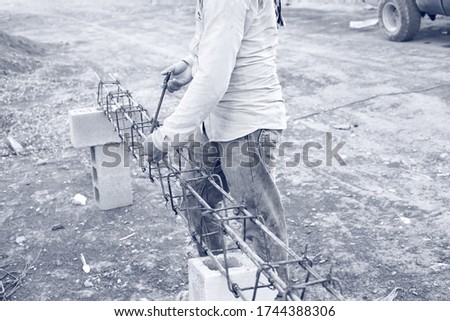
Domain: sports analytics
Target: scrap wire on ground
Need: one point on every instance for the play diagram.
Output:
(133, 124)
(11, 281)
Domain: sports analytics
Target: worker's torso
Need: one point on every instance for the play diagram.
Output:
(254, 98)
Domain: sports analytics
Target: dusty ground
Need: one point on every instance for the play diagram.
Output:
(382, 221)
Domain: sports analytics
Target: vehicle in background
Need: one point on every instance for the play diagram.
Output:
(400, 19)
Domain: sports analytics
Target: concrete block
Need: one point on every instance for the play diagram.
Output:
(111, 159)
(111, 177)
(90, 127)
(206, 283)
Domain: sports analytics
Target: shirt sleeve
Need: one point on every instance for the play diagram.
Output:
(224, 22)
(189, 59)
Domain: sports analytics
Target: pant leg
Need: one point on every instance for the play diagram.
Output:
(249, 167)
(205, 155)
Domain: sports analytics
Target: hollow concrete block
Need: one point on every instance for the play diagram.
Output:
(206, 283)
(90, 127)
(111, 177)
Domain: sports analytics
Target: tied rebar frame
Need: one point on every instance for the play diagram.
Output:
(178, 181)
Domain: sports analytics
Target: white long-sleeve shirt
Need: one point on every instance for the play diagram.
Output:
(235, 88)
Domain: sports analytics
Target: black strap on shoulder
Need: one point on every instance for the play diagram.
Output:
(278, 11)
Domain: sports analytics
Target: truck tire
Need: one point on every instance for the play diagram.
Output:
(399, 19)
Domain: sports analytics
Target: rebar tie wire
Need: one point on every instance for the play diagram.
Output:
(133, 124)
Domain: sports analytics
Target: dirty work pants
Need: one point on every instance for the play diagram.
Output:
(246, 167)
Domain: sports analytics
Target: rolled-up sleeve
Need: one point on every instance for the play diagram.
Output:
(224, 22)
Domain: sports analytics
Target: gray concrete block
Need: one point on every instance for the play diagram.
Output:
(115, 195)
(111, 158)
(90, 127)
(207, 284)
(111, 178)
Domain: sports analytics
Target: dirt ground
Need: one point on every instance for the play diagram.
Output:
(382, 221)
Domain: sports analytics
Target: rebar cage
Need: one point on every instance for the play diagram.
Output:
(178, 178)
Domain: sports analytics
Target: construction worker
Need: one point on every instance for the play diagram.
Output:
(234, 107)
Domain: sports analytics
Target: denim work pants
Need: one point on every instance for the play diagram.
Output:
(246, 167)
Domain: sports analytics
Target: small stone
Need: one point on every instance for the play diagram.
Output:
(88, 284)
(15, 145)
(58, 227)
(41, 162)
(443, 156)
(20, 239)
(79, 200)
(405, 220)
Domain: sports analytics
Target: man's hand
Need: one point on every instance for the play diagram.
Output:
(181, 75)
(154, 154)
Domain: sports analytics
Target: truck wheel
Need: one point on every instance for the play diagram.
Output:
(399, 19)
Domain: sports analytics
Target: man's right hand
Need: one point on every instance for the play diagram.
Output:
(181, 75)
